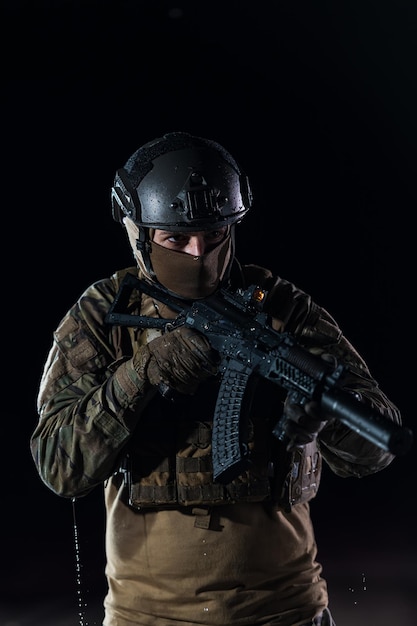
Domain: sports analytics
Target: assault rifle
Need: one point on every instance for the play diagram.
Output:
(236, 326)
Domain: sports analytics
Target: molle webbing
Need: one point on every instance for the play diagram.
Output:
(190, 482)
(187, 478)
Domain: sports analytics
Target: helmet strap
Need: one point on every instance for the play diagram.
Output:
(143, 246)
(226, 276)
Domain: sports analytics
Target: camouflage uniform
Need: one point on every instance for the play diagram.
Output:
(182, 549)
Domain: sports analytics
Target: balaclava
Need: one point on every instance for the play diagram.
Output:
(188, 276)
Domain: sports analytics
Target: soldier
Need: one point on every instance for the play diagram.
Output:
(181, 547)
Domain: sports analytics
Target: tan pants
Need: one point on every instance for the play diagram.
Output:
(244, 566)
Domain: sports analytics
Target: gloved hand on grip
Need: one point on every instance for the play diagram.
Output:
(181, 359)
(302, 423)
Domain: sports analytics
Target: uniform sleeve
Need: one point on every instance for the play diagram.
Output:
(345, 451)
(89, 399)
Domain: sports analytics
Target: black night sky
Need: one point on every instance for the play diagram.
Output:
(317, 101)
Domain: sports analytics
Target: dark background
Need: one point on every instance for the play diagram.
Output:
(317, 101)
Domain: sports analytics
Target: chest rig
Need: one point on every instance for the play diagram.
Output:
(168, 460)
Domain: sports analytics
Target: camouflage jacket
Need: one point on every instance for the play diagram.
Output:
(99, 421)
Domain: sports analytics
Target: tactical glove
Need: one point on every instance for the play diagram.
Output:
(302, 424)
(180, 360)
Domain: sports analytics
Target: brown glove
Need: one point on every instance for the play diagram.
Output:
(180, 359)
(303, 423)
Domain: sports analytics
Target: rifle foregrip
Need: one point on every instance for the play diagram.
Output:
(230, 452)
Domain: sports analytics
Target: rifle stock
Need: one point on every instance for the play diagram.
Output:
(236, 326)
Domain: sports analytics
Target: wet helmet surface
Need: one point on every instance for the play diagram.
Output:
(181, 182)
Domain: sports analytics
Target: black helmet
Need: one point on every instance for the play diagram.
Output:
(179, 182)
